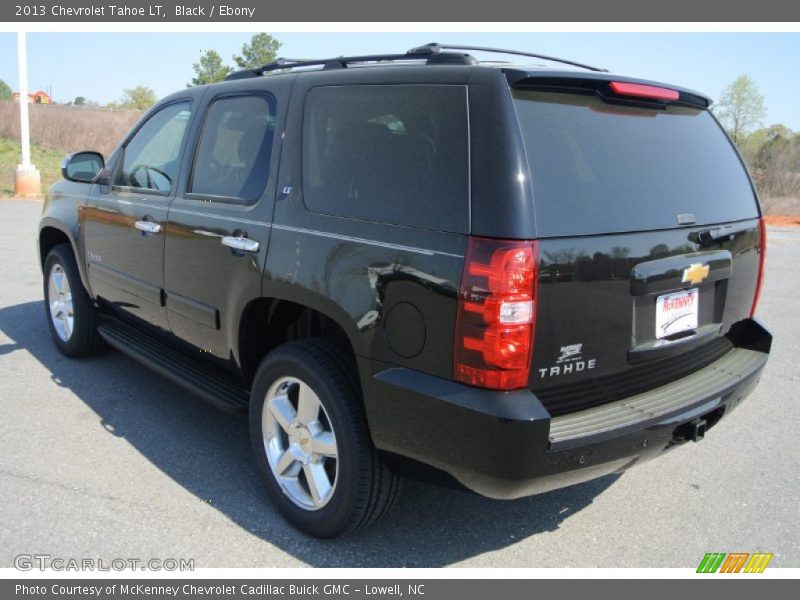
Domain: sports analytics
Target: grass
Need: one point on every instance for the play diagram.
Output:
(68, 128)
(47, 161)
(780, 205)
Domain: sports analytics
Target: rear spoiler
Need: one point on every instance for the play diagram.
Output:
(609, 87)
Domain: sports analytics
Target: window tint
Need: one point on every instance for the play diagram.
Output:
(150, 159)
(599, 167)
(394, 154)
(235, 148)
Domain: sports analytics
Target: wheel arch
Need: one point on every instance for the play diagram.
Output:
(52, 233)
(267, 322)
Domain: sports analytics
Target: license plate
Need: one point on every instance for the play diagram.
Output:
(677, 312)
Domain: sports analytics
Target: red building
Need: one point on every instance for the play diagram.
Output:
(39, 97)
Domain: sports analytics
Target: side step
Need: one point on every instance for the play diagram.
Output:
(196, 377)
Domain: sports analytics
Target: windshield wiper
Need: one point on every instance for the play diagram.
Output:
(715, 234)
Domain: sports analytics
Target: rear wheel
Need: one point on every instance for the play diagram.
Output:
(311, 441)
(70, 313)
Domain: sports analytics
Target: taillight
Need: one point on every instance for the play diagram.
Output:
(762, 247)
(640, 90)
(496, 313)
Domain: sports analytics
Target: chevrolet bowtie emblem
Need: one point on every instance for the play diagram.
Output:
(695, 273)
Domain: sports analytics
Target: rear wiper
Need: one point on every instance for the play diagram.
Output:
(708, 236)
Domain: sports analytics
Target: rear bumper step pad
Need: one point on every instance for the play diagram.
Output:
(712, 381)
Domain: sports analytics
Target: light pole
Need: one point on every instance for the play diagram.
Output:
(27, 180)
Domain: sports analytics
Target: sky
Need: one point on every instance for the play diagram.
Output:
(99, 66)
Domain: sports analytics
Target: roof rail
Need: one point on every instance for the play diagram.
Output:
(435, 48)
(341, 62)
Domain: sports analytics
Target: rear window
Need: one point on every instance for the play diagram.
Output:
(601, 168)
(394, 154)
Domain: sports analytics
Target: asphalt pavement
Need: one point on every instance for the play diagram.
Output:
(102, 458)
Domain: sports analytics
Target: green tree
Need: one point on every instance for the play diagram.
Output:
(5, 91)
(778, 163)
(262, 49)
(741, 108)
(210, 69)
(140, 97)
(79, 101)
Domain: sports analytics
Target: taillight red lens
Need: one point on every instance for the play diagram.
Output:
(496, 314)
(640, 90)
(762, 247)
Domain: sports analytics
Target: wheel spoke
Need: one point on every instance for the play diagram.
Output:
(67, 326)
(55, 308)
(307, 405)
(318, 483)
(283, 411)
(287, 465)
(58, 280)
(324, 443)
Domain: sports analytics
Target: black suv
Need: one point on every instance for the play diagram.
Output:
(506, 278)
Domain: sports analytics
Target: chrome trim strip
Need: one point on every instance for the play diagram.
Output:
(357, 240)
(215, 216)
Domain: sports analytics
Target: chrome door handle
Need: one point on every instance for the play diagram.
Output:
(242, 244)
(147, 226)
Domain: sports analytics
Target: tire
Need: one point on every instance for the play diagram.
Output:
(70, 314)
(360, 488)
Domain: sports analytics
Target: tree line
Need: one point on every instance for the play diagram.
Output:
(772, 153)
(260, 50)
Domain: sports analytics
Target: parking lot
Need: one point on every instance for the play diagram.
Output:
(103, 458)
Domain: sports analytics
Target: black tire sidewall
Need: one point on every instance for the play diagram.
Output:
(341, 511)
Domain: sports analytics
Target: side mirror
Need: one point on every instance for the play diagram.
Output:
(83, 167)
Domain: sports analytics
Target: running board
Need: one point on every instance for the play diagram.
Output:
(177, 367)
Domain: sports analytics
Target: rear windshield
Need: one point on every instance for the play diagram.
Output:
(601, 168)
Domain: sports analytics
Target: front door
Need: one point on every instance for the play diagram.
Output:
(219, 226)
(125, 220)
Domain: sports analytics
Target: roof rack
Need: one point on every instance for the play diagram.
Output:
(341, 62)
(432, 54)
(434, 48)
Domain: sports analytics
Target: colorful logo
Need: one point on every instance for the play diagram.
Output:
(734, 562)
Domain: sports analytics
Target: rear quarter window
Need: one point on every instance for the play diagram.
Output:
(602, 168)
(395, 154)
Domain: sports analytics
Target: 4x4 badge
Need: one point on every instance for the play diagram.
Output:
(695, 273)
(571, 352)
(570, 360)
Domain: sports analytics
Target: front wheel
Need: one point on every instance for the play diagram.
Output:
(70, 314)
(311, 442)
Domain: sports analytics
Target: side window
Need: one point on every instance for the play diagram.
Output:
(235, 148)
(394, 154)
(150, 158)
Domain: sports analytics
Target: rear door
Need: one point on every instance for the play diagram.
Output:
(124, 222)
(220, 223)
(649, 242)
